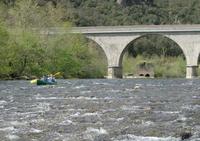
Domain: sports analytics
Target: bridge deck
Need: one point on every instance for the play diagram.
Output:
(124, 29)
(137, 28)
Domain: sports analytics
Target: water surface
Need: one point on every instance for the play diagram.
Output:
(100, 110)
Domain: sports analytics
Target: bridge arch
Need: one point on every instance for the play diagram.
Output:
(172, 48)
(149, 34)
(99, 44)
(99, 53)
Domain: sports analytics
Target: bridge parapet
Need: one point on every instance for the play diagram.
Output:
(136, 29)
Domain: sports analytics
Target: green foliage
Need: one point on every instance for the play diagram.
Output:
(24, 52)
(4, 40)
(93, 12)
(154, 45)
(3, 35)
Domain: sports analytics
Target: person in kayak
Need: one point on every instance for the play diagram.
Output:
(51, 79)
(44, 78)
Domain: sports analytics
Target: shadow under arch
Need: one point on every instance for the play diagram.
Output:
(159, 38)
(198, 67)
(101, 61)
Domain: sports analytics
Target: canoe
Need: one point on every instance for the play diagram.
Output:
(41, 82)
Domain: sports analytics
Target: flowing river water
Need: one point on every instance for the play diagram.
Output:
(100, 110)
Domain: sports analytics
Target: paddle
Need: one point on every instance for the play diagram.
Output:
(57, 74)
(33, 81)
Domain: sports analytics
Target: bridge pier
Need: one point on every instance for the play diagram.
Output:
(114, 72)
(191, 72)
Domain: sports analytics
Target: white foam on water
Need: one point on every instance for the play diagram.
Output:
(137, 86)
(43, 106)
(33, 130)
(60, 87)
(108, 110)
(132, 108)
(97, 83)
(196, 97)
(79, 87)
(187, 83)
(67, 82)
(85, 92)
(66, 122)
(17, 123)
(167, 112)
(77, 114)
(29, 114)
(34, 140)
(13, 137)
(11, 98)
(66, 98)
(108, 98)
(115, 91)
(7, 129)
(37, 120)
(191, 107)
(129, 90)
(91, 132)
(75, 110)
(120, 119)
(90, 114)
(87, 98)
(23, 88)
(3, 102)
(147, 123)
(12, 108)
(154, 85)
(47, 98)
(141, 138)
(96, 131)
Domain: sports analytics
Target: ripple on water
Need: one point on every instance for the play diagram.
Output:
(33, 130)
(3, 102)
(43, 106)
(91, 133)
(80, 86)
(67, 122)
(7, 129)
(85, 92)
(94, 108)
(17, 123)
(91, 114)
(13, 137)
(140, 138)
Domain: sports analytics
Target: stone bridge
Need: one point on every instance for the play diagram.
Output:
(115, 39)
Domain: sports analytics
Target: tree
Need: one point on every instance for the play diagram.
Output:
(4, 40)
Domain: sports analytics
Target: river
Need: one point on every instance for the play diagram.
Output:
(100, 110)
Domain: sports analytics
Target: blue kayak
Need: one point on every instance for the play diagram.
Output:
(42, 82)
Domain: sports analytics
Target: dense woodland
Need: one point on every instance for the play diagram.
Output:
(124, 12)
(25, 53)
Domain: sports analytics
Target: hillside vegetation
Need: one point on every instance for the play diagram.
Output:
(124, 12)
(25, 53)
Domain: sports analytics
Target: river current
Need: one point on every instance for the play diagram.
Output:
(100, 110)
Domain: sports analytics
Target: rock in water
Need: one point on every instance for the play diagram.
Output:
(185, 135)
